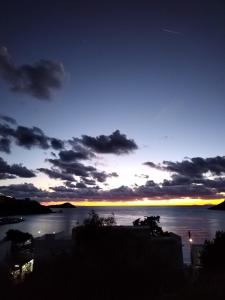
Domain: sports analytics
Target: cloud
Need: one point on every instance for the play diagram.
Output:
(88, 181)
(16, 170)
(69, 184)
(38, 79)
(56, 144)
(24, 190)
(88, 174)
(116, 143)
(70, 155)
(55, 174)
(6, 176)
(27, 138)
(5, 144)
(142, 176)
(8, 119)
(194, 167)
(80, 191)
(31, 137)
(74, 168)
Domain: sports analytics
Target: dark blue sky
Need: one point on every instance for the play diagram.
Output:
(155, 70)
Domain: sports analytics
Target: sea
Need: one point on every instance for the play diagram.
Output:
(199, 220)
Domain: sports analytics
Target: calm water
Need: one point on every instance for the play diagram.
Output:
(202, 222)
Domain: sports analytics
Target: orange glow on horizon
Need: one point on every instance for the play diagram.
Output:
(146, 202)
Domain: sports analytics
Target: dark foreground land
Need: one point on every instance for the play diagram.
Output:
(69, 278)
(10, 206)
(96, 270)
(220, 206)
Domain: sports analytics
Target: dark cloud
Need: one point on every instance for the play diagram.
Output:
(150, 183)
(56, 174)
(31, 137)
(100, 176)
(8, 119)
(62, 189)
(116, 143)
(81, 185)
(70, 155)
(56, 144)
(179, 191)
(113, 174)
(88, 181)
(38, 79)
(86, 153)
(177, 179)
(150, 190)
(26, 137)
(151, 165)
(6, 131)
(73, 168)
(194, 167)
(10, 171)
(5, 144)
(6, 176)
(88, 174)
(24, 190)
(69, 184)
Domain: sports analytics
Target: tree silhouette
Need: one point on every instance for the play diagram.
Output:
(213, 254)
(94, 220)
(17, 236)
(151, 222)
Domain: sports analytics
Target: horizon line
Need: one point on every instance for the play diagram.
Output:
(174, 202)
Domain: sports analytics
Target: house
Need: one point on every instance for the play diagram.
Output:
(16, 259)
(129, 246)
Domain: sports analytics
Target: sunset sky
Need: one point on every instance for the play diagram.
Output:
(113, 102)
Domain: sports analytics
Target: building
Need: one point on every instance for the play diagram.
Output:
(130, 246)
(50, 246)
(196, 251)
(16, 259)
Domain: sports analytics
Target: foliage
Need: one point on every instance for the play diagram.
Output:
(213, 254)
(94, 220)
(151, 222)
(17, 236)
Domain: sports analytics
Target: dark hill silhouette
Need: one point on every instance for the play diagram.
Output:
(220, 206)
(64, 205)
(10, 206)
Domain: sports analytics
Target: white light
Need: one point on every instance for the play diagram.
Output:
(190, 240)
(39, 232)
(53, 232)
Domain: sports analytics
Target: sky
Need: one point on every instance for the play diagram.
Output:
(113, 102)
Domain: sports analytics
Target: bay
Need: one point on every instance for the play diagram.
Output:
(202, 222)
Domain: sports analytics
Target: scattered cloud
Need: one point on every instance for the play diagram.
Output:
(5, 144)
(71, 155)
(27, 138)
(8, 119)
(116, 143)
(24, 190)
(38, 79)
(194, 167)
(55, 174)
(12, 171)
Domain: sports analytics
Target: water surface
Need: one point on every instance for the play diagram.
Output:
(202, 222)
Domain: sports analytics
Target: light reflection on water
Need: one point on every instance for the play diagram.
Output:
(202, 223)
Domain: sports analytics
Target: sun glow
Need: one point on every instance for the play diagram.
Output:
(145, 202)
